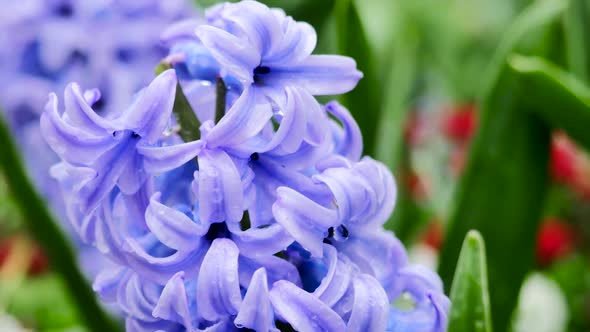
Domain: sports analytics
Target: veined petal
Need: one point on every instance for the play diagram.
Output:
(160, 159)
(258, 23)
(234, 54)
(351, 145)
(137, 297)
(173, 304)
(220, 188)
(370, 311)
(218, 289)
(276, 269)
(133, 175)
(81, 114)
(361, 249)
(72, 144)
(321, 74)
(302, 310)
(305, 220)
(107, 282)
(161, 269)
(181, 31)
(337, 281)
(298, 43)
(256, 312)
(292, 127)
(430, 316)
(109, 168)
(172, 227)
(244, 120)
(261, 241)
(149, 115)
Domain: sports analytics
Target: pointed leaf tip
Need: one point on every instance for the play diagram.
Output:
(469, 294)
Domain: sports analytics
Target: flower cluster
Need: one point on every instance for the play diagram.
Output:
(270, 221)
(44, 44)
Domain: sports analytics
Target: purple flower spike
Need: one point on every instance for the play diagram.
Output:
(271, 220)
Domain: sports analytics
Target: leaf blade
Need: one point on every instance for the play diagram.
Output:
(469, 294)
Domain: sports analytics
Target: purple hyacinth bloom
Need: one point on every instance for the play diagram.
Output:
(44, 44)
(272, 219)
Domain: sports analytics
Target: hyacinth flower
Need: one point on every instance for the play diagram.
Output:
(268, 218)
(99, 44)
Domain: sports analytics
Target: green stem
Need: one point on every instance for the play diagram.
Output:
(49, 235)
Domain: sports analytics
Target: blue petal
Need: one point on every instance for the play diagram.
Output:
(334, 286)
(302, 310)
(151, 112)
(80, 114)
(256, 312)
(305, 220)
(370, 311)
(137, 297)
(220, 188)
(172, 227)
(218, 288)
(276, 269)
(377, 253)
(257, 242)
(257, 22)
(320, 74)
(173, 304)
(165, 158)
(236, 55)
(244, 120)
(299, 41)
(72, 144)
(351, 144)
(161, 269)
(107, 283)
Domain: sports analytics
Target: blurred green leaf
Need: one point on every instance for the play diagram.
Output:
(49, 235)
(408, 217)
(557, 96)
(43, 303)
(470, 311)
(504, 185)
(573, 276)
(577, 36)
(365, 100)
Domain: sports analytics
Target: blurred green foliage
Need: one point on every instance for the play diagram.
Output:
(503, 188)
(43, 304)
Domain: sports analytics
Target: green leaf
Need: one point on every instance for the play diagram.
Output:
(558, 97)
(42, 302)
(365, 100)
(470, 311)
(49, 235)
(503, 188)
(577, 37)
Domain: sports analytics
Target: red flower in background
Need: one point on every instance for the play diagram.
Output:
(433, 236)
(415, 130)
(555, 240)
(563, 159)
(459, 123)
(34, 261)
(570, 165)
